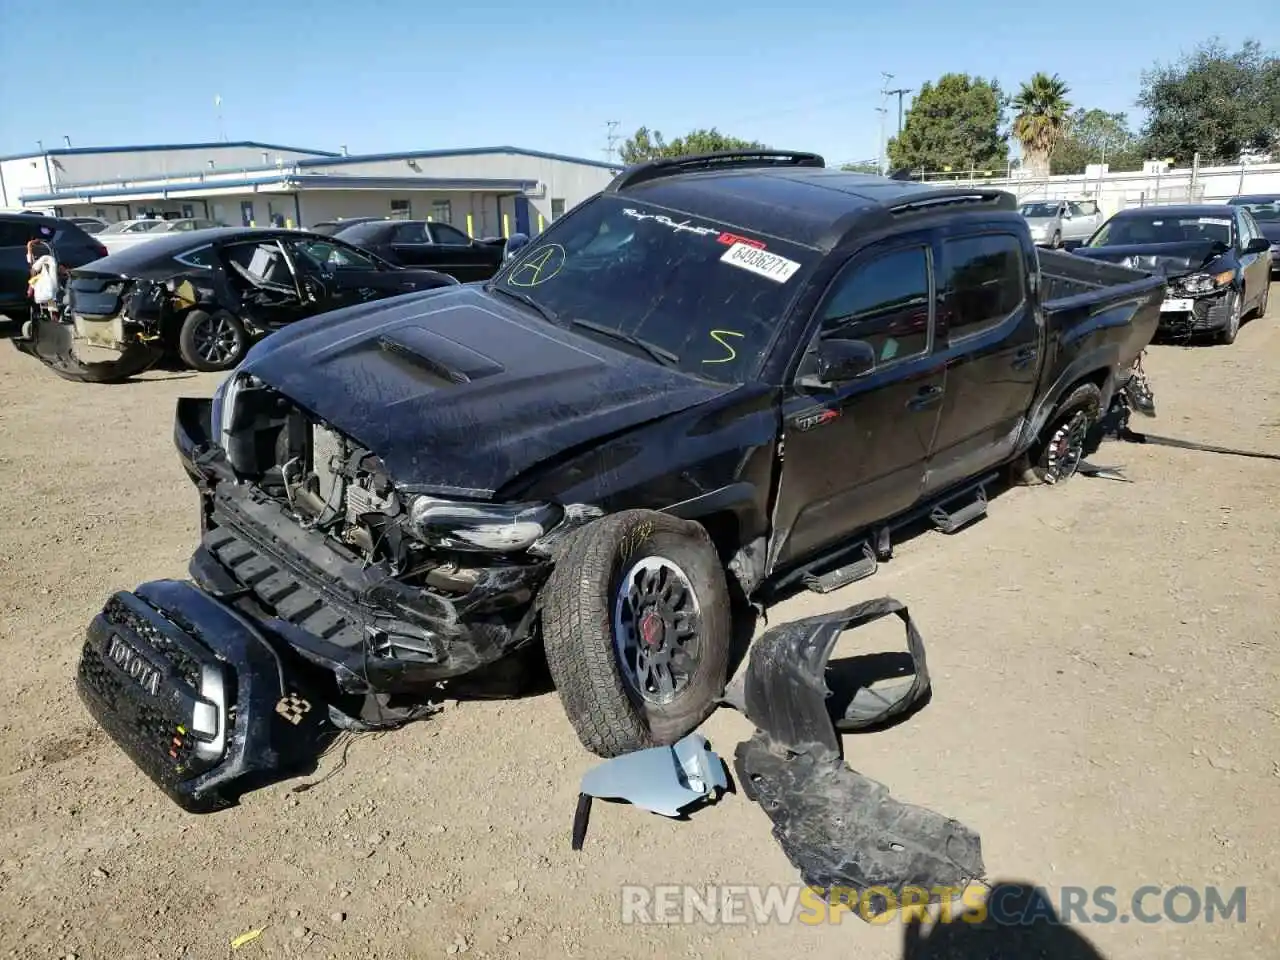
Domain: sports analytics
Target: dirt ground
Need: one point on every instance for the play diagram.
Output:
(1105, 659)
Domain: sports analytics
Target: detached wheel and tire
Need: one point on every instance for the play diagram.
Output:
(636, 623)
(210, 342)
(1062, 446)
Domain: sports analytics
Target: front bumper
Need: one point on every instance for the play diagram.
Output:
(194, 694)
(1193, 315)
(373, 632)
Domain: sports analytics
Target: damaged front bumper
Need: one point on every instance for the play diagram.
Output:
(372, 631)
(1186, 315)
(194, 693)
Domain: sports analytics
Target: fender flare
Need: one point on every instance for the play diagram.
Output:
(1083, 367)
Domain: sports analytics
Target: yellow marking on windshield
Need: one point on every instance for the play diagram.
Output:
(716, 335)
(539, 268)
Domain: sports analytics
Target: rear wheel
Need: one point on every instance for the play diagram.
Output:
(210, 342)
(1063, 444)
(636, 622)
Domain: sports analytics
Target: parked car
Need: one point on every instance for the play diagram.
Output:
(206, 295)
(424, 243)
(1055, 223)
(89, 225)
(144, 231)
(1265, 210)
(1216, 259)
(72, 247)
(588, 451)
(328, 228)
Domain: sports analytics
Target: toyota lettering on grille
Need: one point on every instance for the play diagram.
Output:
(134, 665)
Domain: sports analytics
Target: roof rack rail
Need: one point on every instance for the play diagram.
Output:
(721, 160)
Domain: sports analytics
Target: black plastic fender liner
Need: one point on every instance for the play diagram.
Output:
(784, 690)
(195, 694)
(844, 832)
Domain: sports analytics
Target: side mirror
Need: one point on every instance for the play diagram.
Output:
(842, 360)
(1258, 245)
(514, 244)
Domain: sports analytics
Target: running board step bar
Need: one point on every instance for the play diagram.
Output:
(949, 521)
(844, 574)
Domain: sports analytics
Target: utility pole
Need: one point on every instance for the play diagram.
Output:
(610, 139)
(883, 110)
(900, 92)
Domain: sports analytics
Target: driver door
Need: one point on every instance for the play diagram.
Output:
(855, 453)
(335, 274)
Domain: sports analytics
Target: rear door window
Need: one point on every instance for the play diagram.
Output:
(13, 234)
(448, 235)
(983, 282)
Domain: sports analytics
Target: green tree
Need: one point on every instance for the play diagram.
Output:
(1221, 103)
(649, 145)
(1096, 136)
(1042, 107)
(953, 123)
(861, 166)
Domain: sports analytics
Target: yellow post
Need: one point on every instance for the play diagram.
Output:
(540, 227)
(470, 227)
(506, 225)
(252, 223)
(428, 218)
(288, 222)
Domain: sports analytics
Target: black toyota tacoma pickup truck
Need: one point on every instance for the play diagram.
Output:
(721, 374)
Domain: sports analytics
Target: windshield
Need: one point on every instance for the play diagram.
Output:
(1264, 209)
(1039, 209)
(1158, 228)
(706, 297)
(359, 231)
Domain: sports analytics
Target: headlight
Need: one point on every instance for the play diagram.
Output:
(224, 399)
(1206, 282)
(500, 527)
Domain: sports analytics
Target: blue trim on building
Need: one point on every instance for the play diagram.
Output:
(152, 148)
(462, 152)
(291, 180)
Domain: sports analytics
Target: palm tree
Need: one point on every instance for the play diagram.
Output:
(1042, 107)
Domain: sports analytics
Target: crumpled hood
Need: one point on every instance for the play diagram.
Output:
(1166, 259)
(459, 392)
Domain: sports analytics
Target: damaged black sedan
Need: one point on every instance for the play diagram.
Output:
(1215, 257)
(720, 375)
(205, 296)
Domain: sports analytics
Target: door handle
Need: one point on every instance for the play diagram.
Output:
(925, 397)
(1023, 357)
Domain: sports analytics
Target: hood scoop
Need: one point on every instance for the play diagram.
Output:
(436, 355)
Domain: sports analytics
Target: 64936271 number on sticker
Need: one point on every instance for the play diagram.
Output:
(760, 262)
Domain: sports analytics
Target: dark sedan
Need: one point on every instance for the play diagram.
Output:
(1265, 210)
(1216, 259)
(424, 243)
(207, 295)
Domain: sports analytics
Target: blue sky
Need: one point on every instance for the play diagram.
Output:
(383, 75)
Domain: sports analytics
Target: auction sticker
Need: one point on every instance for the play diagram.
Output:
(762, 262)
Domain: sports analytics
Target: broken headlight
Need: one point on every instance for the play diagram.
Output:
(498, 527)
(1206, 282)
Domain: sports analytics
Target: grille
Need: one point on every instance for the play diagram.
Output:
(187, 666)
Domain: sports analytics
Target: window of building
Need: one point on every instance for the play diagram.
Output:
(557, 208)
(441, 211)
(883, 301)
(983, 282)
(401, 210)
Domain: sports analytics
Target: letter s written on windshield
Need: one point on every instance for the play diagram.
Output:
(718, 336)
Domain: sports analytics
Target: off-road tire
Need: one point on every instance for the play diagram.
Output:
(1080, 411)
(577, 628)
(189, 352)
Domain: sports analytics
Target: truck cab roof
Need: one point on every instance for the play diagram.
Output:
(792, 196)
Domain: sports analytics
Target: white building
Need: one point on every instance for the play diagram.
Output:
(486, 191)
